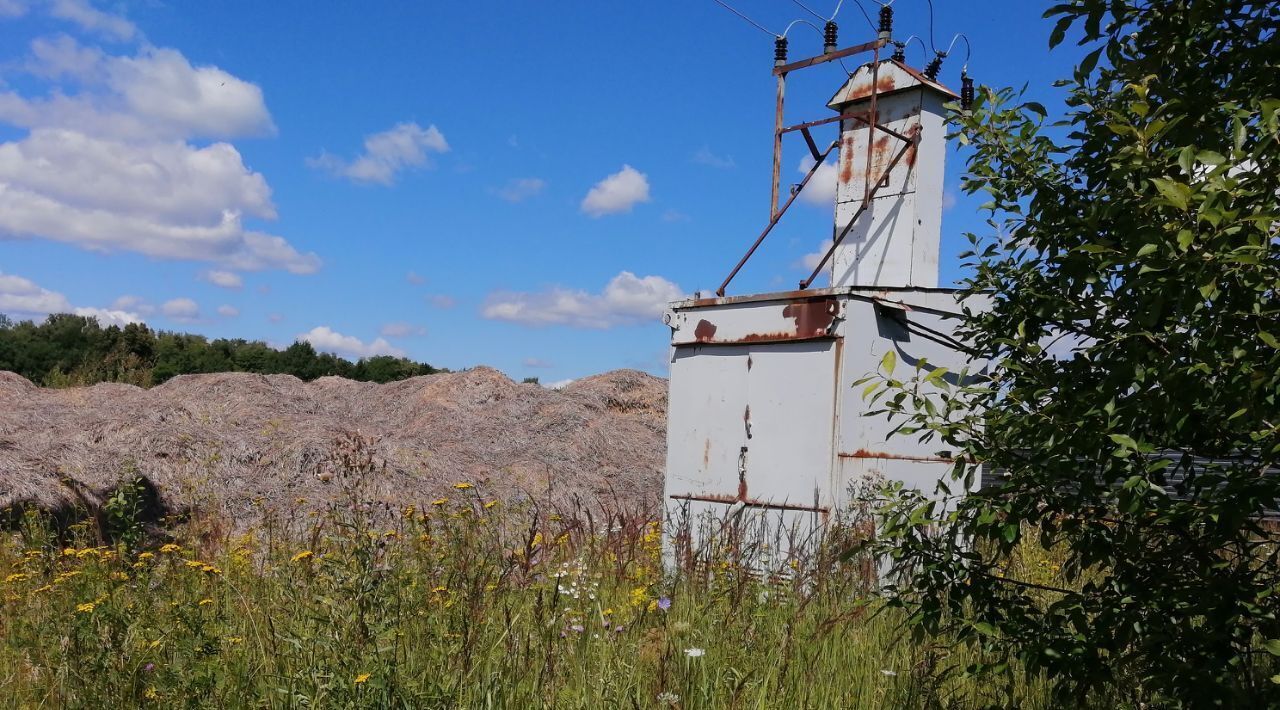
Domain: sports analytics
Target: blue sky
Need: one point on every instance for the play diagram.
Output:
(518, 185)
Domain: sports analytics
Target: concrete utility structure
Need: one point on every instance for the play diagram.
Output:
(765, 431)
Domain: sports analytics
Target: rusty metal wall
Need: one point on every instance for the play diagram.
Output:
(763, 418)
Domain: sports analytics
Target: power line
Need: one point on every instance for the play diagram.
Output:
(755, 24)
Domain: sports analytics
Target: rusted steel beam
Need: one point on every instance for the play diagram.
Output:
(813, 147)
(748, 502)
(824, 58)
(774, 221)
(777, 149)
(865, 454)
(860, 116)
(861, 208)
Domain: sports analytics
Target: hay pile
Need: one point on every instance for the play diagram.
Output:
(238, 444)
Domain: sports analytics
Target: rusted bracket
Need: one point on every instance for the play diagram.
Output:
(823, 58)
(861, 208)
(813, 147)
(751, 503)
(774, 221)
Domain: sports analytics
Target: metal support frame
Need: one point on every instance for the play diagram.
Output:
(869, 118)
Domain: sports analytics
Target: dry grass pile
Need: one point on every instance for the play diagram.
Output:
(240, 445)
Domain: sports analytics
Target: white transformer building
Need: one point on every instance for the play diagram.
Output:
(765, 430)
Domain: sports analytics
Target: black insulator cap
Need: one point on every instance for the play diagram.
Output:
(931, 71)
(780, 51)
(899, 52)
(886, 22)
(966, 91)
(829, 37)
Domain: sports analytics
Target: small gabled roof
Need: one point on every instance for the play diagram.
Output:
(892, 76)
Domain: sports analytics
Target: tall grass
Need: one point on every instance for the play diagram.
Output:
(458, 603)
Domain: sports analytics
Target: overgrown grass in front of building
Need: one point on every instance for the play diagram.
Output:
(461, 602)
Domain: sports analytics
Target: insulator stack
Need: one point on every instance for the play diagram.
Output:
(779, 51)
(935, 66)
(886, 22)
(900, 51)
(829, 37)
(966, 91)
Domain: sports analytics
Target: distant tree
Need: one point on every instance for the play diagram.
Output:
(1133, 269)
(529, 381)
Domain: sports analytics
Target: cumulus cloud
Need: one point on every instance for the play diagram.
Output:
(183, 310)
(809, 261)
(821, 190)
(618, 192)
(111, 167)
(521, 189)
(401, 330)
(558, 384)
(406, 145)
(704, 156)
(23, 297)
(91, 19)
(326, 339)
(223, 279)
(627, 299)
(227, 311)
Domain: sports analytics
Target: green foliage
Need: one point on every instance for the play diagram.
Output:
(67, 350)
(1132, 273)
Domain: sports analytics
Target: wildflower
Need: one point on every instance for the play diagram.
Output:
(608, 611)
(234, 639)
(210, 569)
(362, 678)
(439, 501)
(170, 547)
(45, 588)
(391, 534)
(463, 486)
(490, 504)
(86, 608)
(639, 596)
(694, 652)
(301, 556)
(653, 606)
(146, 555)
(150, 693)
(195, 564)
(619, 629)
(409, 510)
(664, 603)
(439, 590)
(32, 554)
(203, 602)
(16, 577)
(668, 697)
(149, 667)
(69, 552)
(120, 576)
(579, 628)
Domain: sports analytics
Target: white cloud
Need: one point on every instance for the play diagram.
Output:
(223, 279)
(627, 299)
(23, 296)
(821, 190)
(536, 362)
(227, 311)
(406, 145)
(91, 19)
(111, 168)
(326, 339)
(12, 8)
(618, 192)
(401, 330)
(521, 189)
(558, 384)
(107, 316)
(441, 301)
(134, 304)
(948, 199)
(704, 156)
(809, 261)
(183, 310)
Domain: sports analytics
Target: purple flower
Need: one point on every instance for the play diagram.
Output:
(664, 603)
(149, 667)
(578, 628)
(618, 629)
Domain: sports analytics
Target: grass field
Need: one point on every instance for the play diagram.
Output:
(459, 603)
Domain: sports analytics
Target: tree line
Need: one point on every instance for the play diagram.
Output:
(69, 350)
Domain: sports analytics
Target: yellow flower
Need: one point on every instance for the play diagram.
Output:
(86, 608)
(362, 678)
(490, 504)
(409, 510)
(439, 590)
(234, 639)
(301, 556)
(16, 577)
(639, 596)
(45, 588)
(204, 602)
(150, 693)
(68, 552)
(146, 555)
(170, 547)
(195, 564)
(210, 569)
(32, 554)
(463, 486)
(120, 576)
(391, 534)
(439, 501)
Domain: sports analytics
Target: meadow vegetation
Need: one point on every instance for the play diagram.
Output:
(455, 602)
